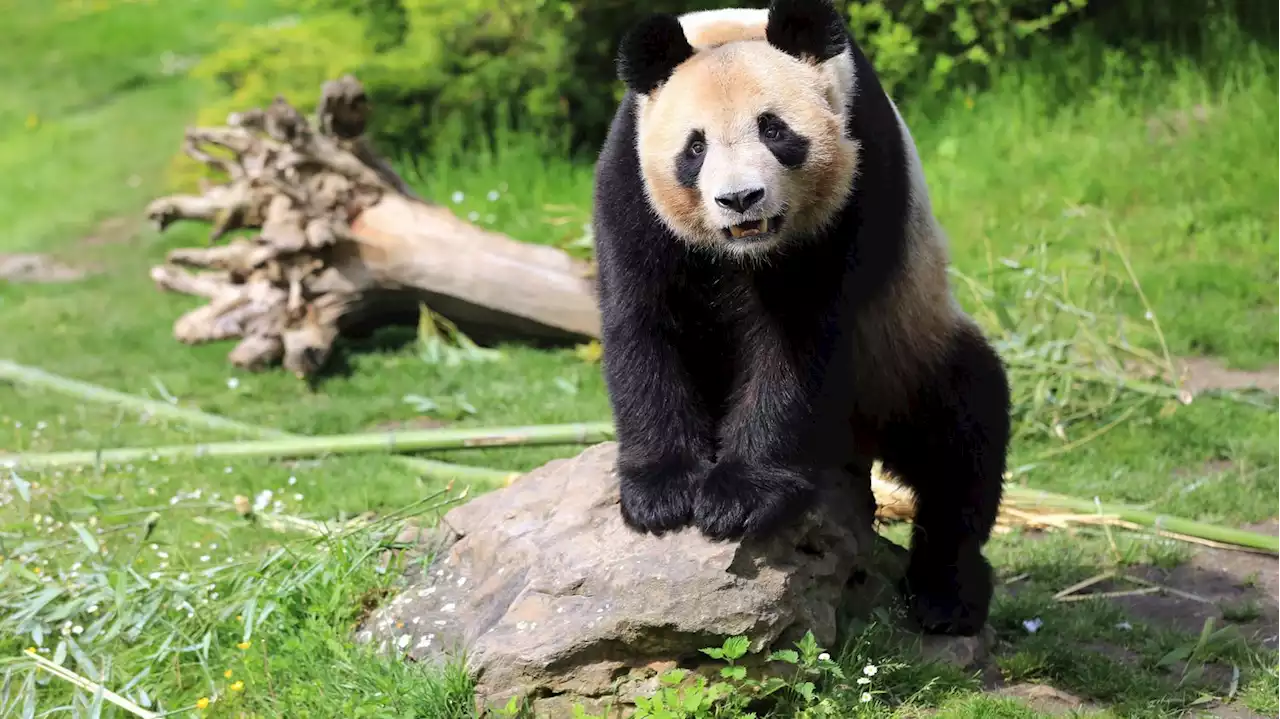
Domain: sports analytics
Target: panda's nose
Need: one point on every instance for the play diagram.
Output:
(740, 201)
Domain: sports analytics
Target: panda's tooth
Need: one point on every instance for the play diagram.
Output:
(735, 230)
(764, 225)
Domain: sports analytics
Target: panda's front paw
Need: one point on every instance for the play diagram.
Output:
(952, 598)
(657, 496)
(738, 499)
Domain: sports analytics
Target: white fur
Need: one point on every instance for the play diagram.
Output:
(919, 187)
(694, 22)
(839, 69)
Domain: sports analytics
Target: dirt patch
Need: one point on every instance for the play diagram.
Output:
(112, 231)
(1240, 588)
(1169, 125)
(1045, 699)
(1204, 374)
(31, 267)
(1224, 711)
(1208, 374)
(1208, 468)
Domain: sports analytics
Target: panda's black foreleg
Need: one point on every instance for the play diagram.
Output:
(777, 435)
(951, 452)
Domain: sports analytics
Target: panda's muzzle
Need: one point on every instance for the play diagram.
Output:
(754, 228)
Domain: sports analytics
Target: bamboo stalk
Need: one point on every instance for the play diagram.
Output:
(394, 442)
(90, 686)
(36, 377)
(1151, 520)
(896, 502)
(443, 470)
(431, 468)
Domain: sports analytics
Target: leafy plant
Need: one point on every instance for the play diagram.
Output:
(732, 694)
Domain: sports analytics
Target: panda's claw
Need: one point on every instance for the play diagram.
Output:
(738, 499)
(657, 497)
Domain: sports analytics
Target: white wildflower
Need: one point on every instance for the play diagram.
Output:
(869, 670)
(866, 697)
(864, 680)
(1032, 625)
(824, 657)
(260, 503)
(458, 197)
(232, 382)
(493, 195)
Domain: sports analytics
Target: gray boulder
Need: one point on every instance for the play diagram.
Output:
(552, 598)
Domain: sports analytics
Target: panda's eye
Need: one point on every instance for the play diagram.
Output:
(771, 128)
(697, 147)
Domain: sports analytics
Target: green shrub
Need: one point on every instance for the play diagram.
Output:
(551, 61)
(931, 44)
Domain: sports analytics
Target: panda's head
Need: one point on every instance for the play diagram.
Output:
(741, 122)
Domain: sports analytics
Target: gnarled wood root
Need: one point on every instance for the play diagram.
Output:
(342, 240)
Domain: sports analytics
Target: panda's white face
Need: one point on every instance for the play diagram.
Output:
(743, 148)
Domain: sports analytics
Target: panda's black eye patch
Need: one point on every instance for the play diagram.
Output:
(689, 161)
(790, 148)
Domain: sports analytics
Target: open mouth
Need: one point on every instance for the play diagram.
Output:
(755, 229)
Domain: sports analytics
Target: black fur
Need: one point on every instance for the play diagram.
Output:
(651, 51)
(807, 29)
(951, 452)
(689, 161)
(790, 148)
(732, 388)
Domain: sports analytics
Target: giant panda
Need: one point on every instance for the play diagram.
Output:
(774, 298)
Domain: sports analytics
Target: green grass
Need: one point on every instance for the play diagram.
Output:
(1020, 174)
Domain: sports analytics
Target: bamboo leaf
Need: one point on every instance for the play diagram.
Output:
(22, 486)
(90, 542)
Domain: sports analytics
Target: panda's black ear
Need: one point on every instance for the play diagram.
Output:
(650, 52)
(806, 29)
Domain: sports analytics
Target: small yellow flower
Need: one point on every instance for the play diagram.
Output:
(202, 703)
(32, 121)
(243, 645)
(31, 650)
(227, 674)
(239, 618)
(237, 686)
(968, 103)
(37, 570)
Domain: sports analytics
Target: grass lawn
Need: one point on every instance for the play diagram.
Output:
(143, 577)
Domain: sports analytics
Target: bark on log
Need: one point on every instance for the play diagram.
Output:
(343, 241)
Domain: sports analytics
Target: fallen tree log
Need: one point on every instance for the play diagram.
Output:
(341, 242)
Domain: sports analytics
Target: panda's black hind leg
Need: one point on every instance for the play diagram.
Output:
(951, 452)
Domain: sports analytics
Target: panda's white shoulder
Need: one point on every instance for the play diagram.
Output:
(915, 169)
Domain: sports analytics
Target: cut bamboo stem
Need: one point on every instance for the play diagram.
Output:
(393, 442)
(1151, 520)
(442, 470)
(90, 686)
(35, 377)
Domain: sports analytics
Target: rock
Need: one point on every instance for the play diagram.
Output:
(36, 268)
(960, 652)
(554, 599)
